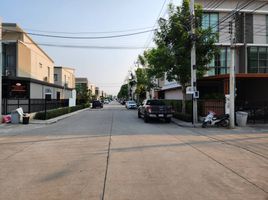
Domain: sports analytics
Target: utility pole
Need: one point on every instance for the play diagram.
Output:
(1, 68)
(232, 77)
(193, 62)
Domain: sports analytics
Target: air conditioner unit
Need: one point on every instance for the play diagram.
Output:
(8, 73)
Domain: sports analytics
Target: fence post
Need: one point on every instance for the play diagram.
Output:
(18, 103)
(45, 108)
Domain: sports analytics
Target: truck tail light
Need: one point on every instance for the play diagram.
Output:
(149, 109)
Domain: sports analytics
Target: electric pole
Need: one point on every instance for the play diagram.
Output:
(193, 62)
(232, 77)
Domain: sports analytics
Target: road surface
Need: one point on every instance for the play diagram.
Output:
(111, 154)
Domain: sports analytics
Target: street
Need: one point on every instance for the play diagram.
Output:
(111, 154)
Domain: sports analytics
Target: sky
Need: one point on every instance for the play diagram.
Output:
(106, 68)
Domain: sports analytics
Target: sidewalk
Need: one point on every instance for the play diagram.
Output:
(44, 122)
(56, 119)
(249, 127)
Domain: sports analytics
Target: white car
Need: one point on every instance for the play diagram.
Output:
(131, 105)
(106, 101)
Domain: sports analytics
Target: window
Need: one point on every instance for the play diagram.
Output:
(55, 77)
(220, 63)
(48, 74)
(58, 95)
(211, 20)
(267, 29)
(257, 59)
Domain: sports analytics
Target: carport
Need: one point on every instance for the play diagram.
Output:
(251, 92)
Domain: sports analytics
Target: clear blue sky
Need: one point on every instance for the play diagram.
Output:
(105, 68)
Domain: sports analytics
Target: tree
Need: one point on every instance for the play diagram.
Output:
(83, 94)
(172, 54)
(123, 93)
(145, 77)
(142, 83)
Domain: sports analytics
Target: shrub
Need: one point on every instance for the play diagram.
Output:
(58, 112)
(183, 117)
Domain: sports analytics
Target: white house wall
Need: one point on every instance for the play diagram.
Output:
(173, 94)
(224, 33)
(259, 26)
(38, 91)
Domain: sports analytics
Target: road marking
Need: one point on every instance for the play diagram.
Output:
(108, 158)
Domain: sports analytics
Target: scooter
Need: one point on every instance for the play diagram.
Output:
(213, 120)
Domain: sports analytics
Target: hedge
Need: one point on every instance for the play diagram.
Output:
(58, 112)
(177, 107)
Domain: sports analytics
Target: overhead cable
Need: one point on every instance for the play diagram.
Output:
(80, 37)
(87, 32)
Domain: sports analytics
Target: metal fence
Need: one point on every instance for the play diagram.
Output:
(32, 105)
(257, 110)
(215, 105)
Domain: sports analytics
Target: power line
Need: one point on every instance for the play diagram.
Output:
(234, 11)
(150, 38)
(88, 32)
(82, 38)
(87, 46)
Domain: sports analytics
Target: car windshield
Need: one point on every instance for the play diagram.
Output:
(155, 103)
(131, 102)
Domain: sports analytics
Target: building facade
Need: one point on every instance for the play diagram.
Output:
(248, 23)
(92, 88)
(28, 72)
(250, 29)
(64, 76)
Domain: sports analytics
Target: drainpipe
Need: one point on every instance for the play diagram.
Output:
(245, 45)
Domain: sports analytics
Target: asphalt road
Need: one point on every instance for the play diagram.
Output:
(111, 154)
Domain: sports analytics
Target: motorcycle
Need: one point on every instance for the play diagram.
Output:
(213, 120)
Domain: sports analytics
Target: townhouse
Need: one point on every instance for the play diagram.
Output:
(28, 72)
(26, 65)
(250, 27)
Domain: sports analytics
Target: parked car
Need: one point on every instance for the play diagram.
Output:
(97, 104)
(155, 109)
(131, 105)
(106, 101)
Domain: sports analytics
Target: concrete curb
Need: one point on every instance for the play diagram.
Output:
(56, 119)
(185, 124)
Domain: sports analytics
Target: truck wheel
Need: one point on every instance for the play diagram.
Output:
(146, 118)
(167, 120)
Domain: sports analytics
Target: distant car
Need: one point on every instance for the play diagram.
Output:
(97, 104)
(131, 105)
(106, 101)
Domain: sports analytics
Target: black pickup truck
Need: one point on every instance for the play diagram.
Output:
(155, 109)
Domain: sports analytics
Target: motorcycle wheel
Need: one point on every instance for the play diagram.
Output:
(204, 125)
(225, 123)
